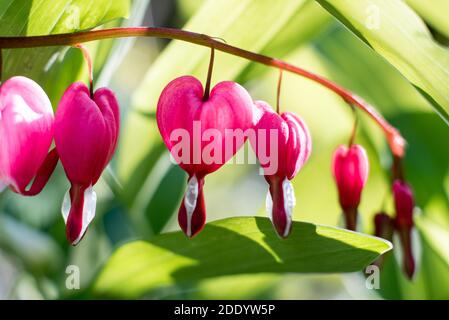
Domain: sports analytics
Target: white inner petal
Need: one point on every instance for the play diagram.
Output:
(269, 206)
(65, 209)
(289, 202)
(90, 202)
(190, 200)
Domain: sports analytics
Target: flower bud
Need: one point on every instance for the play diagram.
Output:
(404, 205)
(350, 169)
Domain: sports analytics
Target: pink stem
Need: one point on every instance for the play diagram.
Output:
(88, 59)
(394, 138)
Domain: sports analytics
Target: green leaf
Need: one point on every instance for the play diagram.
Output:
(395, 32)
(435, 14)
(51, 67)
(230, 247)
(432, 278)
(436, 237)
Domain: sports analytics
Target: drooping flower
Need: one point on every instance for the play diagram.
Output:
(404, 204)
(26, 134)
(86, 133)
(202, 135)
(350, 168)
(283, 145)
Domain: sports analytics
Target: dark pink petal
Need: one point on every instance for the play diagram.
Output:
(270, 142)
(404, 203)
(350, 169)
(181, 109)
(108, 105)
(299, 144)
(81, 135)
(289, 151)
(43, 174)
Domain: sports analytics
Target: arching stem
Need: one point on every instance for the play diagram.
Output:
(395, 140)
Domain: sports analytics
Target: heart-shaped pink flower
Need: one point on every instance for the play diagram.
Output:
(26, 133)
(202, 135)
(86, 133)
(283, 145)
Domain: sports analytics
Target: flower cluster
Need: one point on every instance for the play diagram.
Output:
(228, 110)
(350, 168)
(202, 130)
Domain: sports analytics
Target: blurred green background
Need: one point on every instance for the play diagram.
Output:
(140, 191)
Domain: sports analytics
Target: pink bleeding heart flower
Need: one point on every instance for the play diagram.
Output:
(404, 205)
(26, 133)
(202, 135)
(283, 145)
(350, 168)
(86, 133)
